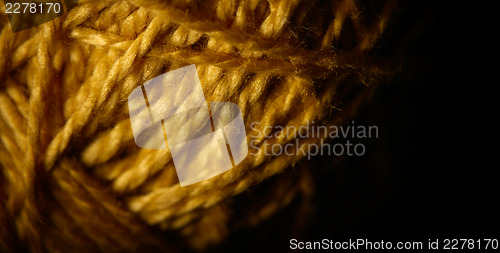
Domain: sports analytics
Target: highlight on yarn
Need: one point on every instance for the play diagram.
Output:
(28, 14)
(170, 112)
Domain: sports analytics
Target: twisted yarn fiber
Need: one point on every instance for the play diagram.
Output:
(73, 179)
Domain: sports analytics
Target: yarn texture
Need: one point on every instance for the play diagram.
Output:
(74, 180)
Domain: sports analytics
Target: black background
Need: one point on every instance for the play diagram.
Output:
(429, 175)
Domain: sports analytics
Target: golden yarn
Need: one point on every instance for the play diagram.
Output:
(73, 179)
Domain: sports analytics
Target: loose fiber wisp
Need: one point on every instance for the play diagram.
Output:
(74, 180)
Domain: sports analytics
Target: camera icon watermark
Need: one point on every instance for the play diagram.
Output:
(204, 138)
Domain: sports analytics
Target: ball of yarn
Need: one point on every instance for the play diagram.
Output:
(74, 180)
